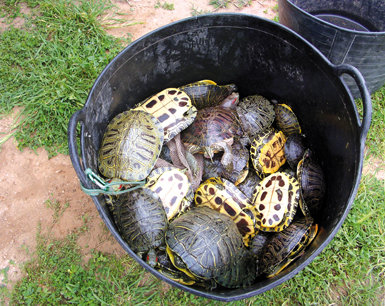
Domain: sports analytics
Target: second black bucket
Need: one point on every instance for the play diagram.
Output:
(260, 56)
(345, 31)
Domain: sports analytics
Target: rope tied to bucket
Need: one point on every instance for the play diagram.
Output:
(112, 187)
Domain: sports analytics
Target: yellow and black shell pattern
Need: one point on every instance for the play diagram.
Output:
(173, 108)
(130, 146)
(206, 93)
(223, 196)
(286, 120)
(286, 246)
(174, 189)
(267, 152)
(276, 199)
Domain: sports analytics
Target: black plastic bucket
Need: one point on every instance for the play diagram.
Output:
(345, 31)
(260, 56)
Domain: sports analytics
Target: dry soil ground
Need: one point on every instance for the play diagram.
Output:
(31, 183)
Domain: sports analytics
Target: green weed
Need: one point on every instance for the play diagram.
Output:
(165, 6)
(48, 67)
(196, 11)
(220, 3)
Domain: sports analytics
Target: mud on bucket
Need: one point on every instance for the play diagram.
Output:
(259, 56)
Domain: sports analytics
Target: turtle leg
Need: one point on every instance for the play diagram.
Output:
(227, 157)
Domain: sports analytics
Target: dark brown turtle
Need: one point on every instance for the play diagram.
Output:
(214, 130)
(312, 185)
(214, 167)
(294, 149)
(206, 93)
(249, 184)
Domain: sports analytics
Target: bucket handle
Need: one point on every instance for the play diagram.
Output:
(366, 100)
(76, 118)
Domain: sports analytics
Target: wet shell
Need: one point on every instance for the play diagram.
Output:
(130, 146)
(173, 108)
(276, 199)
(224, 197)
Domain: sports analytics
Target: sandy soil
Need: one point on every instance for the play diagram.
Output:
(29, 179)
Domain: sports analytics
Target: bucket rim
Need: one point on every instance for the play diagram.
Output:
(329, 24)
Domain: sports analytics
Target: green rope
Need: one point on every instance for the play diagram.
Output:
(111, 188)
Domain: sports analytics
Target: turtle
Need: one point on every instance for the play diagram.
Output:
(207, 93)
(286, 120)
(173, 108)
(166, 268)
(141, 221)
(207, 246)
(240, 169)
(312, 182)
(286, 246)
(214, 130)
(267, 152)
(249, 184)
(130, 146)
(256, 113)
(258, 243)
(276, 199)
(223, 196)
(173, 188)
(294, 149)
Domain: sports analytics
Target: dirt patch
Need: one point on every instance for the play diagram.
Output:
(18, 22)
(146, 17)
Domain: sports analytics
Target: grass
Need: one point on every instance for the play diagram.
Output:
(48, 67)
(165, 5)
(350, 271)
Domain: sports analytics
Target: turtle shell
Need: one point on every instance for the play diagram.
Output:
(286, 246)
(312, 181)
(267, 152)
(140, 219)
(172, 107)
(130, 146)
(276, 199)
(206, 93)
(256, 114)
(294, 150)
(258, 243)
(223, 196)
(212, 131)
(207, 245)
(173, 188)
(238, 171)
(286, 120)
(249, 184)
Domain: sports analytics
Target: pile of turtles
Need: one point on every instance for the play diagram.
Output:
(241, 223)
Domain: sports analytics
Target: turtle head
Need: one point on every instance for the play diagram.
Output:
(151, 258)
(230, 101)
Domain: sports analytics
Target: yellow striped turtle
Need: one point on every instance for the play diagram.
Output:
(312, 181)
(130, 146)
(173, 188)
(267, 152)
(286, 120)
(207, 246)
(286, 246)
(223, 196)
(172, 107)
(141, 221)
(207, 93)
(276, 199)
